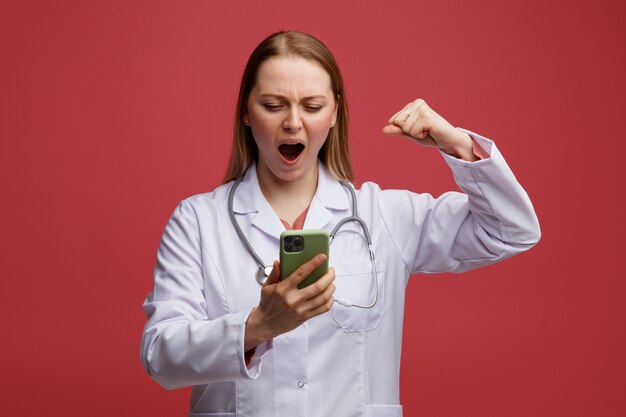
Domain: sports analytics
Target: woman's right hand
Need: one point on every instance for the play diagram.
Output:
(283, 306)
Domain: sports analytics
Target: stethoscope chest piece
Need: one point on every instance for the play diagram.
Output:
(263, 273)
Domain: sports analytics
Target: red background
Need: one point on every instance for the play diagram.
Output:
(111, 112)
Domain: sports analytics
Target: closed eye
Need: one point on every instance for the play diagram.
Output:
(272, 107)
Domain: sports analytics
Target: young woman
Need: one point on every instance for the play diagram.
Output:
(255, 347)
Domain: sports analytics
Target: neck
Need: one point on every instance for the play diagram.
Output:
(288, 198)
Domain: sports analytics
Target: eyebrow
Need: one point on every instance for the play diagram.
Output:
(285, 97)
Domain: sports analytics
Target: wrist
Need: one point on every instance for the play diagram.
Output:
(255, 332)
(463, 148)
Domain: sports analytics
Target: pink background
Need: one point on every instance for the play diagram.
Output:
(111, 112)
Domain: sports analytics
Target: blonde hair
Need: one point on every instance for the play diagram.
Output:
(335, 152)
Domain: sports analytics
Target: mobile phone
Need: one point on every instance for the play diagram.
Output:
(300, 246)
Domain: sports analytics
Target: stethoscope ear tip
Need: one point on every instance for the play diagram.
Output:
(345, 303)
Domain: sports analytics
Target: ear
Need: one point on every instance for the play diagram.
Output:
(246, 117)
(333, 121)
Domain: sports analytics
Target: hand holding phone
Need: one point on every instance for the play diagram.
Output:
(283, 306)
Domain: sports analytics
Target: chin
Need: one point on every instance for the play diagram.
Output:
(288, 175)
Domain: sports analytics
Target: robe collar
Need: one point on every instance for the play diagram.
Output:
(330, 198)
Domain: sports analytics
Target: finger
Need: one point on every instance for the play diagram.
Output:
(411, 123)
(304, 298)
(392, 118)
(400, 116)
(305, 269)
(318, 286)
(323, 301)
(393, 130)
(422, 127)
(274, 276)
(322, 308)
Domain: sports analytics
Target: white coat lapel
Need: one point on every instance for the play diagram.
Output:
(329, 197)
(249, 199)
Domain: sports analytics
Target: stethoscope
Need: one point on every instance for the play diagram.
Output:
(264, 270)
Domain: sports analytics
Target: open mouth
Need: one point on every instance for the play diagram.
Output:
(291, 151)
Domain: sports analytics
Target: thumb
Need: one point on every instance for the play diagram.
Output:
(274, 275)
(393, 130)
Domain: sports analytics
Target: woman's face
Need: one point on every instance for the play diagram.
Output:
(290, 110)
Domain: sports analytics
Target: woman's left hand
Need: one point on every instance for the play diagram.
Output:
(423, 125)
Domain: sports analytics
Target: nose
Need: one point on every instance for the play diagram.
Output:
(292, 121)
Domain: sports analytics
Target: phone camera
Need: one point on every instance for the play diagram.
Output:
(294, 244)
